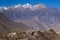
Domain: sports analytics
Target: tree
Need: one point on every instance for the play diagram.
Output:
(51, 34)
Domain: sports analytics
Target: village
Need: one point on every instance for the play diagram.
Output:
(30, 35)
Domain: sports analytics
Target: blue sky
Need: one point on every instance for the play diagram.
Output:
(51, 3)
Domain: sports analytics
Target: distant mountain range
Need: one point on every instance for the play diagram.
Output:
(37, 16)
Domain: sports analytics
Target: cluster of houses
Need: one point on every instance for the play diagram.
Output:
(29, 33)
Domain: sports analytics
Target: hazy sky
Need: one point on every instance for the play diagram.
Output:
(51, 3)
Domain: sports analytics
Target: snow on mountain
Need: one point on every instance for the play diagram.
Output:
(4, 8)
(19, 5)
(0, 7)
(39, 6)
(27, 5)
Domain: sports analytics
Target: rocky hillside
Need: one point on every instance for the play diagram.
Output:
(7, 25)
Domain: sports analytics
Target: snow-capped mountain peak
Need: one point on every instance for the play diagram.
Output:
(18, 5)
(40, 6)
(27, 5)
(0, 8)
(5, 8)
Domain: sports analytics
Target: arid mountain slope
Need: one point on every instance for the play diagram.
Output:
(8, 25)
